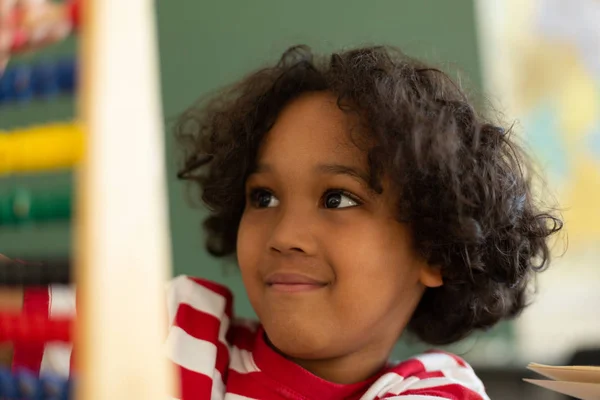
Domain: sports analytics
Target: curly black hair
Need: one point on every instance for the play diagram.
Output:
(463, 182)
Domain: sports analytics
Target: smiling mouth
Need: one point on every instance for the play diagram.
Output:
(294, 287)
(293, 283)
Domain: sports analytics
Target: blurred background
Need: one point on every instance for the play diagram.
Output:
(536, 61)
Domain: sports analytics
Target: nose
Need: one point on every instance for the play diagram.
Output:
(293, 232)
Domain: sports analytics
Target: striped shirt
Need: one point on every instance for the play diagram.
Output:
(221, 358)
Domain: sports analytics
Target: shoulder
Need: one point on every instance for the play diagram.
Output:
(438, 374)
(204, 309)
(208, 298)
(204, 341)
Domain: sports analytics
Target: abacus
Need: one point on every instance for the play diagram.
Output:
(118, 209)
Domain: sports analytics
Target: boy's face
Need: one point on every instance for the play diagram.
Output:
(328, 269)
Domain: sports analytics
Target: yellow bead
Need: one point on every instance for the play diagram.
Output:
(47, 147)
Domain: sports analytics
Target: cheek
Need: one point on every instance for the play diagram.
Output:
(376, 262)
(361, 245)
(248, 243)
(250, 248)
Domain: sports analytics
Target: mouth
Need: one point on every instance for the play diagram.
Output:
(292, 283)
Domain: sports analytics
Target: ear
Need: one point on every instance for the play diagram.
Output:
(431, 276)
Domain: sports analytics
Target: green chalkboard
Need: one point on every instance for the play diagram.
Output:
(206, 44)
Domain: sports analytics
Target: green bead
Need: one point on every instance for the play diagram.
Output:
(26, 206)
(6, 210)
(21, 204)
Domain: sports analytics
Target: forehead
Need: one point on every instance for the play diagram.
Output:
(312, 128)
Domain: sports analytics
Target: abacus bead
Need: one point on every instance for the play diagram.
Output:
(30, 387)
(6, 84)
(6, 210)
(22, 205)
(55, 387)
(55, 205)
(45, 79)
(22, 85)
(67, 71)
(66, 389)
(19, 40)
(8, 386)
(73, 7)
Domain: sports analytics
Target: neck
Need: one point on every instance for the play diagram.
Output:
(347, 369)
(344, 370)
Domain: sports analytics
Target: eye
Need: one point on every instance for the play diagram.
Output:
(262, 198)
(340, 199)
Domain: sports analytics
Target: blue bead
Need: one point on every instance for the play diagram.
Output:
(67, 75)
(30, 387)
(67, 389)
(6, 84)
(22, 86)
(8, 386)
(55, 387)
(45, 79)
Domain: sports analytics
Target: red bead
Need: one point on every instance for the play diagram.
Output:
(34, 328)
(74, 13)
(19, 40)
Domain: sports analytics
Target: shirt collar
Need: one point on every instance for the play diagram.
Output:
(293, 381)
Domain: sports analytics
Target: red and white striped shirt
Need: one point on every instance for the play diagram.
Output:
(220, 358)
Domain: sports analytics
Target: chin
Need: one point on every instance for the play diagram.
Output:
(298, 342)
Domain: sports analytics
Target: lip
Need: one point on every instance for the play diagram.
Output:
(292, 282)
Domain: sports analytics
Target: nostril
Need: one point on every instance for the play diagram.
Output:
(290, 249)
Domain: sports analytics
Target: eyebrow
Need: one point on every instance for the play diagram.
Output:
(329, 169)
(261, 168)
(340, 169)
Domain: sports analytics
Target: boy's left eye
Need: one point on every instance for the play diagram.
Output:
(339, 199)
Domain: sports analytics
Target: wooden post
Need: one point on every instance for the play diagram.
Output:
(122, 245)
